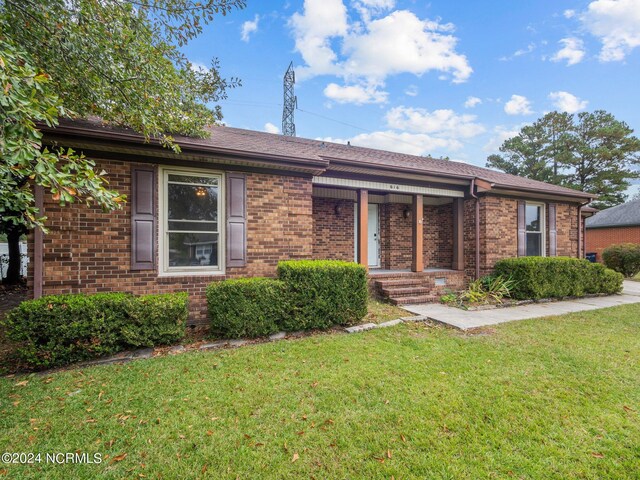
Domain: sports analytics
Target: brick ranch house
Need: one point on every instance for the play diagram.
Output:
(234, 204)
(619, 224)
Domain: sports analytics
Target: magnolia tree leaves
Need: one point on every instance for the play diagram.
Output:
(115, 59)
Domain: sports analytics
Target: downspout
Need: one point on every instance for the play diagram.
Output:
(38, 247)
(477, 222)
(582, 230)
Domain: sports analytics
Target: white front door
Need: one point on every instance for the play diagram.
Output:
(374, 236)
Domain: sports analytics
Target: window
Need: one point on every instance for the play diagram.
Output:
(534, 220)
(190, 222)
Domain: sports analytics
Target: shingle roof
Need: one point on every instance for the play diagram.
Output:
(625, 215)
(250, 141)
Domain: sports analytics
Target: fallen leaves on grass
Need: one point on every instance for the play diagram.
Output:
(295, 458)
(119, 458)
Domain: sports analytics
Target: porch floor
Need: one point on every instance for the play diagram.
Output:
(383, 271)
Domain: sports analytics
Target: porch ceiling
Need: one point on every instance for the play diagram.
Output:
(385, 187)
(347, 194)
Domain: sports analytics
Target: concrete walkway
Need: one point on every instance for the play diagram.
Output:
(465, 320)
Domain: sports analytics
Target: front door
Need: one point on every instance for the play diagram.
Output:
(374, 236)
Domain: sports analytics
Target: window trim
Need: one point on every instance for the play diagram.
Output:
(164, 270)
(543, 227)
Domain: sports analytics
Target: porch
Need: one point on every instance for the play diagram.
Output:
(409, 237)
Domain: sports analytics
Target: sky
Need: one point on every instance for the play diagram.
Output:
(441, 78)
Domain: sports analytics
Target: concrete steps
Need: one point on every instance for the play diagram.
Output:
(410, 288)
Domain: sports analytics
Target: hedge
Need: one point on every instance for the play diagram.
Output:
(60, 329)
(248, 307)
(623, 258)
(557, 277)
(324, 293)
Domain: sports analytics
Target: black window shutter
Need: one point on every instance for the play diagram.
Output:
(236, 220)
(553, 231)
(143, 218)
(522, 229)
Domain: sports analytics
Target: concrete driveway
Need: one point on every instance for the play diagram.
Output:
(465, 320)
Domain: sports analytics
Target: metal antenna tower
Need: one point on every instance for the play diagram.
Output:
(290, 103)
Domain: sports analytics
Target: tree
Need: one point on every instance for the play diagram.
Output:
(604, 157)
(116, 59)
(592, 152)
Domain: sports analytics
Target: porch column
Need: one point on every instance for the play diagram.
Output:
(458, 234)
(417, 264)
(362, 246)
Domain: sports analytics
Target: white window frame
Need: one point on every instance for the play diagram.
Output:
(163, 237)
(543, 227)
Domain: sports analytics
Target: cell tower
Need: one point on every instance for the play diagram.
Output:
(290, 103)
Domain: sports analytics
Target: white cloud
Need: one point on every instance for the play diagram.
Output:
(402, 142)
(569, 13)
(412, 91)
(617, 24)
(357, 94)
(518, 105)
(472, 102)
(368, 50)
(321, 21)
(443, 123)
(518, 53)
(566, 102)
(419, 132)
(378, 4)
(404, 44)
(501, 133)
(572, 51)
(198, 67)
(271, 128)
(369, 8)
(249, 27)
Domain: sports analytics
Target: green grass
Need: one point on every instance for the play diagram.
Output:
(554, 398)
(379, 312)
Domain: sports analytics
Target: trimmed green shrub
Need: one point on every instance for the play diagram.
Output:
(557, 277)
(324, 293)
(155, 319)
(60, 329)
(623, 258)
(247, 307)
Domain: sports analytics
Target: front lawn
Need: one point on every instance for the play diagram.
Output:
(553, 398)
(379, 311)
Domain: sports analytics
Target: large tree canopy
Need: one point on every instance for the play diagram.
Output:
(592, 152)
(116, 59)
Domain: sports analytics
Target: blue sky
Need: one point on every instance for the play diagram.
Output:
(442, 78)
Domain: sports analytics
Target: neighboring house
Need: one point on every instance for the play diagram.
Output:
(234, 204)
(619, 224)
(4, 259)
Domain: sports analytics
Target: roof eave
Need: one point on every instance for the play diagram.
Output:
(185, 146)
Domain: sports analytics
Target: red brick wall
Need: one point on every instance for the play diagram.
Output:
(600, 238)
(438, 236)
(89, 251)
(499, 231)
(395, 237)
(333, 235)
